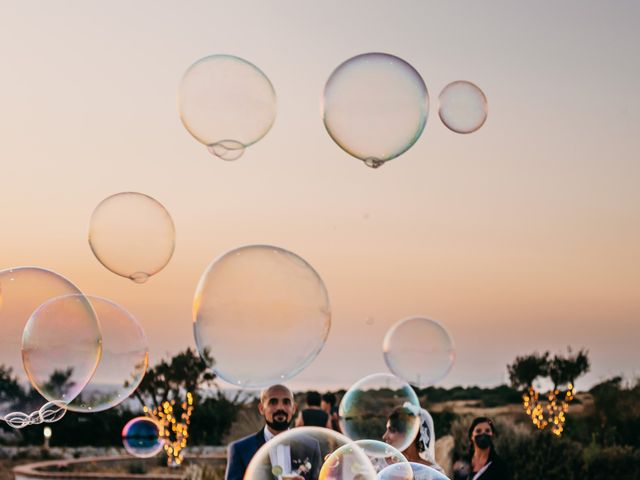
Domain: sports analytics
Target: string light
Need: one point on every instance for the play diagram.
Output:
(174, 433)
(553, 413)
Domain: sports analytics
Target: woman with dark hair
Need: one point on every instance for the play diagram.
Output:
(484, 463)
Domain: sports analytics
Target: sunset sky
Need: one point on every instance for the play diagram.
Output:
(521, 237)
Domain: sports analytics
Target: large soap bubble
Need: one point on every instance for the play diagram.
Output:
(381, 454)
(309, 447)
(132, 235)
(124, 359)
(227, 104)
(378, 403)
(419, 350)
(463, 107)
(141, 437)
(375, 107)
(262, 314)
(61, 347)
(72, 344)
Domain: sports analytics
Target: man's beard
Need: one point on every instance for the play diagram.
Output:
(279, 426)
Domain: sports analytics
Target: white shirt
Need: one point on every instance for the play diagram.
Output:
(280, 455)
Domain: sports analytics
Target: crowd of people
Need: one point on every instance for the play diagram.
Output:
(278, 409)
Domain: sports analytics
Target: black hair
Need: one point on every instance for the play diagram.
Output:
(313, 399)
(330, 398)
(477, 421)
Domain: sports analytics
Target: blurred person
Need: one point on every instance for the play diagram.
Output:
(328, 404)
(422, 449)
(313, 415)
(483, 462)
(278, 408)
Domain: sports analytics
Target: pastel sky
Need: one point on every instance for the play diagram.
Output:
(523, 236)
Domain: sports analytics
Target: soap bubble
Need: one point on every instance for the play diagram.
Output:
(349, 462)
(463, 107)
(262, 313)
(376, 402)
(124, 359)
(419, 350)
(309, 447)
(141, 437)
(61, 347)
(24, 290)
(381, 454)
(227, 104)
(51, 412)
(132, 235)
(416, 471)
(375, 107)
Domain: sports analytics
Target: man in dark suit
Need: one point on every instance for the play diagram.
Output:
(278, 408)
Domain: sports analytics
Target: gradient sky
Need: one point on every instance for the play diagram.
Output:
(523, 236)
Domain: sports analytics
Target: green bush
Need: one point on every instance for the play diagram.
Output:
(619, 463)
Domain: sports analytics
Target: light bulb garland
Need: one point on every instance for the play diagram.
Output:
(553, 412)
(173, 433)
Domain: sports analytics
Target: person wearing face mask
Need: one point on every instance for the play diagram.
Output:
(278, 408)
(484, 463)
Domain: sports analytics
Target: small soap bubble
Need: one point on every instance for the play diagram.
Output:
(227, 104)
(141, 437)
(123, 363)
(419, 350)
(348, 462)
(377, 404)
(52, 412)
(262, 313)
(463, 107)
(375, 107)
(132, 235)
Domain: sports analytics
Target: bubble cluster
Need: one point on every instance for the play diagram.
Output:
(310, 449)
(226, 103)
(60, 360)
(263, 302)
(419, 350)
(377, 403)
(141, 437)
(463, 107)
(124, 359)
(132, 235)
(375, 107)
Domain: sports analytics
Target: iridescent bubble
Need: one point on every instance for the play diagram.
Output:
(124, 359)
(349, 462)
(132, 235)
(24, 291)
(375, 107)
(419, 350)
(381, 454)
(226, 103)
(61, 347)
(463, 107)
(309, 447)
(374, 402)
(262, 313)
(141, 437)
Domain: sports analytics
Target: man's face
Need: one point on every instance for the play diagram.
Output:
(277, 408)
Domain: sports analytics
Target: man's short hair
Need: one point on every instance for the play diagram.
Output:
(265, 392)
(330, 398)
(313, 398)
